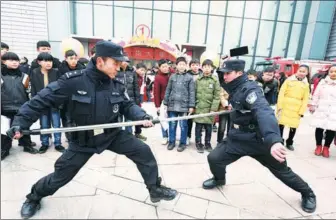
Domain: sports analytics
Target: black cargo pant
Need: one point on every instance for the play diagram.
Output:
(218, 160)
(68, 165)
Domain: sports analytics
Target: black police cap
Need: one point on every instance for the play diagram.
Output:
(232, 65)
(109, 49)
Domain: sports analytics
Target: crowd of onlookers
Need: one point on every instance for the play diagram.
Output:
(180, 88)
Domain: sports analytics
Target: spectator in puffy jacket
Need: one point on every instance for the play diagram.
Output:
(323, 108)
(270, 85)
(14, 86)
(160, 85)
(180, 100)
(292, 102)
(207, 100)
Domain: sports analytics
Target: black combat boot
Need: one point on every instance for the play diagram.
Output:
(30, 149)
(29, 208)
(212, 183)
(159, 192)
(43, 149)
(208, 147)
(308, 203)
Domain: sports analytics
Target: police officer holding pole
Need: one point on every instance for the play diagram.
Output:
(254, 132)
(95, 97)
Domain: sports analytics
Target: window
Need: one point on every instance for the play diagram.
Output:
(326, 11)
(268, 10)
(285, 10)
(103, 21)
(265, 37)
(161, 25)
(252, 9)
(280, 39)
(181, 6)
(102, 2)
(123, 28)
(235, 8)
(232, 33)
(294, 40)
(180, 27)
(199, 6)
(123, 3)
(217, 7)
(288, 68)
(215, 29)
(84, 19)
(320, 41)
(197, 29)
(249, 34)
(163, 5)
(143, 4)
(142, 16)
(299, 11)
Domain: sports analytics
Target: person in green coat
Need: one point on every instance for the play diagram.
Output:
(207, 100)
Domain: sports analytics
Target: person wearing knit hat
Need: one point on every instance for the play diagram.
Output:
(292, 102)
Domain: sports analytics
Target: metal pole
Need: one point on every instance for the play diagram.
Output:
(118, 125)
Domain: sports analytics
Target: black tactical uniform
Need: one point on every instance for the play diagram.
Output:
(93, 99)
(254, 130)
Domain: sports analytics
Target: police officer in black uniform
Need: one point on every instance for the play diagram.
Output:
(95, 97)
(254, 132)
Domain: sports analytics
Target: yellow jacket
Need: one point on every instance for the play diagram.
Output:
(292, 101)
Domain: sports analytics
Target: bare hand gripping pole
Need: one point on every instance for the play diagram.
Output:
(117, 125)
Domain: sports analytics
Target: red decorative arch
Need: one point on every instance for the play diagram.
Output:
(148, 53)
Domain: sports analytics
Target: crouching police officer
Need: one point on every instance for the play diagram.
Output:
(95, 97)
(254, 132)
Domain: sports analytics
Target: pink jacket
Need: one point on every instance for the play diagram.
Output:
(324, 101)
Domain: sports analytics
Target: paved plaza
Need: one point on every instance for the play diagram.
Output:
(109, 185)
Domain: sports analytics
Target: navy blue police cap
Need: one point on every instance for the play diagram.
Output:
(109, 49)
(232, 65)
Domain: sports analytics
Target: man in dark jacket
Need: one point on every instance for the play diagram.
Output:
(128, 74)
(44, 46)
(40, 78)
(13, 95)
(270, 85)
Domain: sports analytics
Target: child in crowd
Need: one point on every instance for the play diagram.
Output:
(180, 100)
(207, 100)
(292, 102)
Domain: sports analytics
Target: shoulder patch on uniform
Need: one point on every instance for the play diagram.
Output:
(251, 97)
(72, 74)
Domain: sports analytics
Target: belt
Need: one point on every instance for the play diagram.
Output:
(246, 128)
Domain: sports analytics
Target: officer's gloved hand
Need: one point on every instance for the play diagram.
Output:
(14, 132)
(148, 123)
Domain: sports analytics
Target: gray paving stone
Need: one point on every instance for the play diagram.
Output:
(256, 197)
(191, 206)
(183, 176)
(117, 207)
(220, 211)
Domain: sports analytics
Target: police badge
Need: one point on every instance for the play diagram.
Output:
(251, 98)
